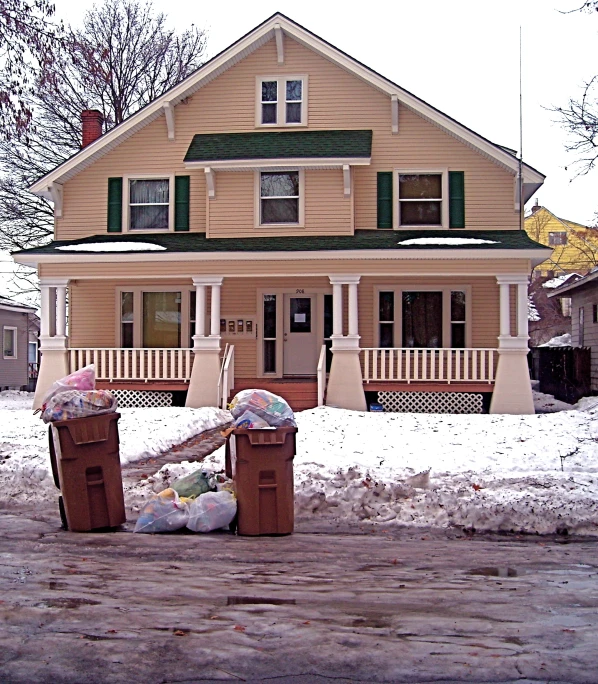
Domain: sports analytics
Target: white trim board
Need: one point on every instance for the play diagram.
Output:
(235, 53)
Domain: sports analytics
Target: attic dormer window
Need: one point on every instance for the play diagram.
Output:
(149, 204)
(282, 101)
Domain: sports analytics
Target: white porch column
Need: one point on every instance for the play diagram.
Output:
(345, 382)
(53, 341)
(205, 374)
(215, 310)
(200, 310)
(512, 389)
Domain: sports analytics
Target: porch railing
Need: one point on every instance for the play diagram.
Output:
(321, 375)
(428, 365)
(143, 365)
(226, 381)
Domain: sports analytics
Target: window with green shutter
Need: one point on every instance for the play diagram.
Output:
(181, 203)
(115, 205)
(456, 199)
(384, 199)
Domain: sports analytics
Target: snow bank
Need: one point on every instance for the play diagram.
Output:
(522, 473)
(25, 471)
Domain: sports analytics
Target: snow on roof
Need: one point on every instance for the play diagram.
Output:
(559, 341)
(112, 247)
(558, 281)
(5, 302)
(447, 241)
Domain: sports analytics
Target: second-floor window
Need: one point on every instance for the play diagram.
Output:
(421, 199)
(149, 204)
(555, 239)
(280, 197)
(282, 101)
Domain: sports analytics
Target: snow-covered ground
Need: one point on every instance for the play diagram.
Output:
(488, 472)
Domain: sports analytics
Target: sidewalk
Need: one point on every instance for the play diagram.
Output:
(380, 605)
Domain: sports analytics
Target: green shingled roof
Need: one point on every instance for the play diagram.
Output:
(362, 240)
(280, 145)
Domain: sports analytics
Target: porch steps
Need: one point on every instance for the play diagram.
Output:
(300, 394)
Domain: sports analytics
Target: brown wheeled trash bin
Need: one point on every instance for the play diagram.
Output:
(86, 466)
(260, 462)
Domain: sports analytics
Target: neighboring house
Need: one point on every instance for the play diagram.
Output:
(548, 317)
(574, 247)
(20, 328)
(282, 212)
(584, 316)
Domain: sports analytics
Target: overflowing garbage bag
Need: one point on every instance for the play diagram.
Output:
(212, 511)
(75, 396)
(78, 404)
(255, 408)
(164, 512)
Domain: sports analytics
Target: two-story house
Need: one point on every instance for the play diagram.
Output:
(290, 213)
(574, 247)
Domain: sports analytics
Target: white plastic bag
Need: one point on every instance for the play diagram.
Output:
(211, 511)
(165, 512)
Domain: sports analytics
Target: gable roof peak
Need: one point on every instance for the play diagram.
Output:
(244, 46)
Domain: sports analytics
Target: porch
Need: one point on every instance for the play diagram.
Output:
(313, 343)
(383, 369)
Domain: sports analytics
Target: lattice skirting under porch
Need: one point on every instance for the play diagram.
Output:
(431, 402)
(141, 399)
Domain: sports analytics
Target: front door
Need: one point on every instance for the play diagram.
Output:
(300, 356)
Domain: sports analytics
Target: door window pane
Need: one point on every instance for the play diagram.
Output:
(300, 313)
(328, 329)
(126, 320)
(457, 319)
(386, 316)
(422, 319)
(269, 333)
(161, 319)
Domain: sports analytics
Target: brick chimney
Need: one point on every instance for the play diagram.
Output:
(536, 207)
(92, 121)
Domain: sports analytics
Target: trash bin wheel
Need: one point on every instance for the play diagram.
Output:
(62, 512)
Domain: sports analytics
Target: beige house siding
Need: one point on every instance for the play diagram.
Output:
(94, 316)
(587, 299)
(125, 270)
(336, 100)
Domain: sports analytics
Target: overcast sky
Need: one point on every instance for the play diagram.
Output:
(461, 56)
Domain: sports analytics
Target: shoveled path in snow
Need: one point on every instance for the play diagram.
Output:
(386, 606)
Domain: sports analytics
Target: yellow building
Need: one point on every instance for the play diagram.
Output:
(575, 247)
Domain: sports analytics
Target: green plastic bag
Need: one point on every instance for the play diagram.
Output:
(191, 486)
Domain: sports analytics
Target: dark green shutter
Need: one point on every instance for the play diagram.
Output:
(181, 203)
(115, 205)
(456, 199)
(384, 199)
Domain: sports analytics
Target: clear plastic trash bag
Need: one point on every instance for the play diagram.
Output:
(212, 511)
(165, 512)
(78, 404)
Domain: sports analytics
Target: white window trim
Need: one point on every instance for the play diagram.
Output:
(126, 193)
(138, 291)
(446, 310)
(14, 338)
(281, 102)
(258, 200)
(444, 202)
